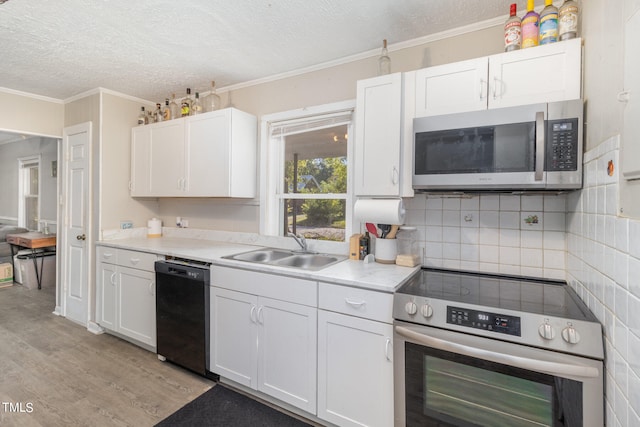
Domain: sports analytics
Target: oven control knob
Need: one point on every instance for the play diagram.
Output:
(426, 310)
(570, 335)
(546, 331)
(411, 308)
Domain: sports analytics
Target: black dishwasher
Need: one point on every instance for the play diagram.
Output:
(182, 314)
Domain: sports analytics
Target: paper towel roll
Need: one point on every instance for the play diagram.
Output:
(379, 211)
(154, 228)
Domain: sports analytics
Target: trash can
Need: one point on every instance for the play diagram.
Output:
(25, 273)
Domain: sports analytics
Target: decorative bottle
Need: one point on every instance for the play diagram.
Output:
(166, 113)
(142, 117)
(175, 108)
(159, 115)
(512, 31)
(384, 62)
(211, 102)
(568, 20)
(530, 26)
(549, 23)
(185, 109)
(196, 107)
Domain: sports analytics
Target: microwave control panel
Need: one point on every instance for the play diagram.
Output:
(484, 320)
(562, 145)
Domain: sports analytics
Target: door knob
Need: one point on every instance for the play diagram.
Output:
(81, 237)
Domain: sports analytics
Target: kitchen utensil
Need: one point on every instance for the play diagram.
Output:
(392, 232)
(372, 229)
(384, 230)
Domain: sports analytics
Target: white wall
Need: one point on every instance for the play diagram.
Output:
(603, 245)
(28, 114)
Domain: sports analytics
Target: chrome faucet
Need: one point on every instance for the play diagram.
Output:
(300, 240)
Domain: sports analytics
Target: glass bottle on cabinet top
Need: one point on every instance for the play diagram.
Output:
(142, 117)
(549, 23)
(196, 107)
(185, 109)
(512, 31)
(384, 62)
(166, 112)
(568, 20)
(158, 113)
(175, 108)
(211, 102)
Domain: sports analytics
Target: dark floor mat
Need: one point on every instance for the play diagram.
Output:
(221, 406)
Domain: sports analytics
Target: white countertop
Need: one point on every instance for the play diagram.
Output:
(373, 276)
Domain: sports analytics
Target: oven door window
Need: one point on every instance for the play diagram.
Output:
(447, 389)
(482, 149)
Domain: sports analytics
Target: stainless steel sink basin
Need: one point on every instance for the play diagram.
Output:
(284, 258)
(308, 261)
(262, 256)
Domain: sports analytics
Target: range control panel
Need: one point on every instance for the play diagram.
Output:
(492, 322)
(562, 145)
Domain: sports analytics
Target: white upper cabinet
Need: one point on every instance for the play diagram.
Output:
(380, 142)
(208, 155)
(450, 88)
(547, 73)
(536, 75)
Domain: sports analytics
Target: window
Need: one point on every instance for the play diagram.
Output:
(307, 173)
(29, 190)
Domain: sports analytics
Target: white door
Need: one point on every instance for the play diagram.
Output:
(234, 336)
(136, 307)
(355, 371)
(75, 229)
(378, 136)
(287, 352)
(452, 88)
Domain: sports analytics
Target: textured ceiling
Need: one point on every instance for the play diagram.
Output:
(148, 49)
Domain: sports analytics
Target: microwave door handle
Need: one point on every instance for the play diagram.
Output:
(552, 368)
(540, 149)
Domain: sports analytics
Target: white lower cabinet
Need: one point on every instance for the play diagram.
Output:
(264, 343)
(355, 365)
(125, 298)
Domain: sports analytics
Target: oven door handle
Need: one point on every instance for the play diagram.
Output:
(553, 368)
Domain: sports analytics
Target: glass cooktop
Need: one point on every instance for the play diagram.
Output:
(538, 296)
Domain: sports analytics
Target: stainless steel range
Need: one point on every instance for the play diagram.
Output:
(487, 350)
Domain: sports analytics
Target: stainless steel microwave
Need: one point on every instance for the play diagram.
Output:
(530, 147)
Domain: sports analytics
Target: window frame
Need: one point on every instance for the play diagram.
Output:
(272, 168)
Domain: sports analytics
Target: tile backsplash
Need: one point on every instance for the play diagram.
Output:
(496, 233)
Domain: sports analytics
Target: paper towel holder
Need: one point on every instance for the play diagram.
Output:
(380, 210)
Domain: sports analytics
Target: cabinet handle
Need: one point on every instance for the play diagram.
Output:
(107, 255)
(483, 84)
(260, 318)
(135, 260)
(394, 175)
(497, 82)
(113, 278)
(151, 289)
(387, 346)
(356, 304)
(252, 314)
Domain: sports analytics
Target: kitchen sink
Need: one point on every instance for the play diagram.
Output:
(261, 256)
(284, 258)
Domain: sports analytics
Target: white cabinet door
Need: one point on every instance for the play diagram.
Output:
(140, 185)
(355, 371)
(452, 88)
(543, 74)
(167, 158)
(378, 136)
(287, 352)
(233, 336)
(208, 145)
(106, 295)
(137, 305)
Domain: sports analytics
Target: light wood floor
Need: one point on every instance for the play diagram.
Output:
(71, 377)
